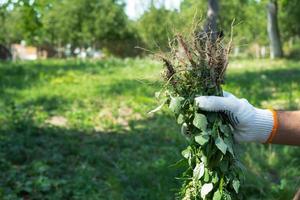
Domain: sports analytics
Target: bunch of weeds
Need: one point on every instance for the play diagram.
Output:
(195, 66)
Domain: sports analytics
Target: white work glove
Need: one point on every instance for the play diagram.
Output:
(250, 124)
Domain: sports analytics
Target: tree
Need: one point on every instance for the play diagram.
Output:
(273, 30)
(98, 24)
(53, 25)
(63, 23)
(289, 19)
(198, 8)
(220, 14)
(23, 22)
(3, 13)
(212, 15)
(189, 8)
(155, 27)
(112, 29)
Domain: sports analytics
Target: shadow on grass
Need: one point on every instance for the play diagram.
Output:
(59, 163)
(256, 86)
(264, 85)
(48, 103)
(42, 162)
(143, 88)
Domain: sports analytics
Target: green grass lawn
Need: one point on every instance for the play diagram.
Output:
(80, 130)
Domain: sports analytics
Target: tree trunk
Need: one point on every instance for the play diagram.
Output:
(5, 53)
(273, 30)
(212, 14)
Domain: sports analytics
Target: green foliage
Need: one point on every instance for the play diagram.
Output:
(100, 24)
(176, 104)
(219, 142)
(79, 23)
(51, 25)
(200, 121)
(250, 25)
(250, 18)
(97, 155)
(191, 7)
(202, 139)
(155, 27)
(3, 29)
(24, 21)
(289, 15)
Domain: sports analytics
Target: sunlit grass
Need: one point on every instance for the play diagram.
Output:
(80, 130)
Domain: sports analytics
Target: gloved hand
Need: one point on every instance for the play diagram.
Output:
(250, 124)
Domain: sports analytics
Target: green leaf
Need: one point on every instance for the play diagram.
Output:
(225, 129)
(223, 165)
(198, 171)
(236, 185)
(200, 121)
(221, 145)
(207, 132)
(215, 178)
(180, 119)
(186, 153)
(175, 104)
(226, 196)
(229, 145)
(204, 159)
(206, 189)
(202, 139)
(217, 195)
(212, 116)
(206, 175)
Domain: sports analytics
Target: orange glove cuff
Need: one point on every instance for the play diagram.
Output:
(274, 129)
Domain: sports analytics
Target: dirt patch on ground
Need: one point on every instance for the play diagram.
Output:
(119, 117)
(59, 121)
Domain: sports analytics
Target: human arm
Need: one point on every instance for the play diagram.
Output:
(253, 124)
(288, 128)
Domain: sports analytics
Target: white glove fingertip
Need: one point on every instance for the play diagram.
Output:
(205, 103)
(216, 104)
(227, 94)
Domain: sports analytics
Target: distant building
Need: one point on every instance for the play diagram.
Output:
(23, 52)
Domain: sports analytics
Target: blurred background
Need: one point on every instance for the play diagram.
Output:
(75, 93)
